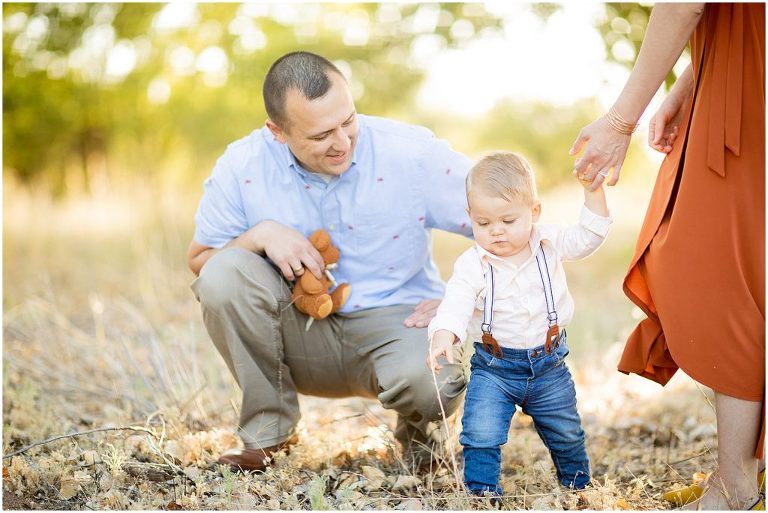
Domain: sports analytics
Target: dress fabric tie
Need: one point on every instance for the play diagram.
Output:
(727, 53)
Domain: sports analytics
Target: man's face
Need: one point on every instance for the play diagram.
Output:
(322, 133)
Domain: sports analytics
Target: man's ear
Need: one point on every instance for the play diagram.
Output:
(536, 211)
(277, 132)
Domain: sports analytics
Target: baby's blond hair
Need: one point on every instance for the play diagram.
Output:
(505, 174)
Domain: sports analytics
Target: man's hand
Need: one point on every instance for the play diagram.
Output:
(422, 314)
(287, 248)
(441, 345)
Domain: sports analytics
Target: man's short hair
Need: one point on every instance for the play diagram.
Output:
(504, 174)
(305, 71)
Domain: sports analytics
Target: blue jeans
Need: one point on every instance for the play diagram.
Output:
(541, 385)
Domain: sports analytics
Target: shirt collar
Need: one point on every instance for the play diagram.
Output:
(538, 235)
(292, 162)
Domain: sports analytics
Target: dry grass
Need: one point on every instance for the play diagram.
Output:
(101, 333)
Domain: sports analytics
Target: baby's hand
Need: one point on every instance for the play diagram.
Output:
(586, 182)
(442, 344)
(583, 181)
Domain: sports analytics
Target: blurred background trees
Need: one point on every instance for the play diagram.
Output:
(99, 94)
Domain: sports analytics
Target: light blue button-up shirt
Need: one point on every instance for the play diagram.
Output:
(402, 182)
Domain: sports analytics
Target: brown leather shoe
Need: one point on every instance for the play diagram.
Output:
(253, 460)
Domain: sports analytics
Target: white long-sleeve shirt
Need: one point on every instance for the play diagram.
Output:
(519, 306)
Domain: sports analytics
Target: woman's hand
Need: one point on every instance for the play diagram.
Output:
(665, 124)
(604, 154)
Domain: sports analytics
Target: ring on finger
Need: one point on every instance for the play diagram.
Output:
(603, 173)
(296, 269)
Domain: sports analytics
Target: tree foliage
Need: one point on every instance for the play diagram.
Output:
(622, 30)
(106, 90)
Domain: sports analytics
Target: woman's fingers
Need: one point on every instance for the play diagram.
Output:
(614, 176)
(578, 144)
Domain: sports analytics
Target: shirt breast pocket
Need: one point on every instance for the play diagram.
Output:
(390, 241)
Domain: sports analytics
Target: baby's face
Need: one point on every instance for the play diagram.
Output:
(501, 227)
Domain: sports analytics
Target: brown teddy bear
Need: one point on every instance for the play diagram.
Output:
(310, 295)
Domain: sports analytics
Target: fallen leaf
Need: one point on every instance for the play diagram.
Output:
(698, 477)
(406, 482)
(348, 495)
(621, 504)
(349, 481)
(193, 473)
(410, 505)
(343, 459)
(543, 504)
(105, 481)
(69, 488)
(90, 458)
(374, 476)
(82, 477)
(174, 449)
(372, 473)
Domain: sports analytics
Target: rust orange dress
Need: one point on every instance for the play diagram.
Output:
(698, 271)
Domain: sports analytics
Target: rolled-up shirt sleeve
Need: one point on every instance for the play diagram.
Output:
(580, 240)
(444, 172)
(458, 304)
(220, 216)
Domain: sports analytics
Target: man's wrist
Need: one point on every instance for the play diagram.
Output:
(257, 236)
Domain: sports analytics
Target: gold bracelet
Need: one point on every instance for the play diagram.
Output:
(618, 123)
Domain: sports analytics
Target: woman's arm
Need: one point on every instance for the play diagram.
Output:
(663, 127)
(669, 29)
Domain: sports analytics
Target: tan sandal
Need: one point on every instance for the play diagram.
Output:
(687, 494)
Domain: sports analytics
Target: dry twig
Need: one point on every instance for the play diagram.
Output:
(79, 433)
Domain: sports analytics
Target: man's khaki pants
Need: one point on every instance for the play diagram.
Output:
(248, 313)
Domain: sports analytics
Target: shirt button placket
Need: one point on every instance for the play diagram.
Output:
(330, 212)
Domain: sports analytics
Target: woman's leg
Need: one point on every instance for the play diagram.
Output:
(738, 427)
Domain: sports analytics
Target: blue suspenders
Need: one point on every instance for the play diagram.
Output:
(553, 332)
